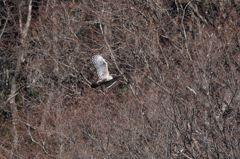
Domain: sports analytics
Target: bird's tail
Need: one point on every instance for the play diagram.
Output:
(95, 85)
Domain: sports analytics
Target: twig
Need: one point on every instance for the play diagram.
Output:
(4, 27)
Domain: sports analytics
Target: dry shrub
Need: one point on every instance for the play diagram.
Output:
(179, 97)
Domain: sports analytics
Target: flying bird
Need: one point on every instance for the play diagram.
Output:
(102, 71)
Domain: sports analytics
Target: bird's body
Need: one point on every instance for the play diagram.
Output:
(102, 71)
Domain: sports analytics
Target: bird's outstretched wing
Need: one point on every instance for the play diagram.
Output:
(101, 66)
(95, 85)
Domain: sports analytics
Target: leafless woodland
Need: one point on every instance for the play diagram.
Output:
(179, 96)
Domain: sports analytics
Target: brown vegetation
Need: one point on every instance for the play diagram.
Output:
(179, 96)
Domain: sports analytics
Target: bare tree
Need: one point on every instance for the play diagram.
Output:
(14, 84)
(178, 98)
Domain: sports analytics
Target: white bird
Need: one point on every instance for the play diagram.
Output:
(102, 71)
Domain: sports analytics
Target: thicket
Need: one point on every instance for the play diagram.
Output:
(179, 96)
